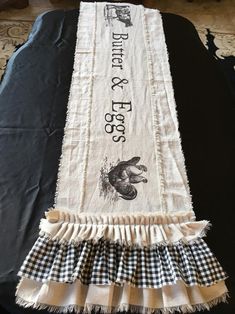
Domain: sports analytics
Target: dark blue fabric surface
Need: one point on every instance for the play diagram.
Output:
(33, 101)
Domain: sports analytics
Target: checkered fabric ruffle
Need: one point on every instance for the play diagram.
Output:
(105, 261)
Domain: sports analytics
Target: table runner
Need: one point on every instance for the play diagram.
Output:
(122, 233)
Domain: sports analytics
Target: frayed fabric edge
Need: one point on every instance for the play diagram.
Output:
(89, 308)
(99, 237)
(132, 230)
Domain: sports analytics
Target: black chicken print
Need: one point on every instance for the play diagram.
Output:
(122, 177)
(120, 13)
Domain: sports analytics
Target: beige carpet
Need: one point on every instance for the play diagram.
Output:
(12, 34)
(219, 17)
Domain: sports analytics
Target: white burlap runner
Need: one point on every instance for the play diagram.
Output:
(121, 151)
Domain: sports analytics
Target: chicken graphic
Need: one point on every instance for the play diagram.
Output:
(119, 13)
(124, 175)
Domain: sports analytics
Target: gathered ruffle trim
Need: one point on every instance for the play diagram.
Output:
(106, 262)
(76, 297)
(153, 253)
(138, 229)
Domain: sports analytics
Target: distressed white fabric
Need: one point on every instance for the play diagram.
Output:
(110, 298)
(122, 180)
(121, 108)
(142, 230)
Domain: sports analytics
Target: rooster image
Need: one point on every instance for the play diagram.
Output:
(120, 13)
(124, 175)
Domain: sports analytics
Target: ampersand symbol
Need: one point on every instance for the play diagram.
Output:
(117, 81)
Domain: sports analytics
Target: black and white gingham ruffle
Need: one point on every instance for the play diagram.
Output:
(105, 261)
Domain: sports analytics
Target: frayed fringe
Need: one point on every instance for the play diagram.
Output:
(137, 230)
(70, 108)
(155, 119)
(68, 118)
(204, 231)
(164, 164)
(89, 308)
(121, 242)
(171, 97)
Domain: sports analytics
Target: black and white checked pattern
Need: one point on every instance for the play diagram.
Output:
(105, 261)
